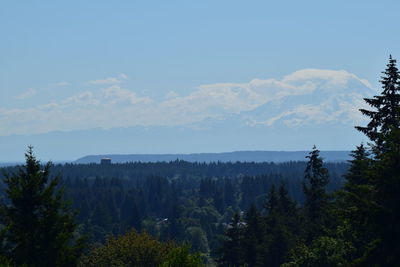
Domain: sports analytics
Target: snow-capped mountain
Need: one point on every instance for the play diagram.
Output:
(317, 97)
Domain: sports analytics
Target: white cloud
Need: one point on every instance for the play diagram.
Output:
(171, 94)
(109, 96)
(123, 76)
(63, 83)
(339, 109)
(109, 80)
(330, 79)
(324, 96)
(115, 94)
(27, 94)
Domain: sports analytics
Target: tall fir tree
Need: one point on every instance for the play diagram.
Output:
(39, 228)
(231, 251)
(130, 216)
(316, 178)
(359, 166)
(282, 225)
(384, 176)
(271, 203)
(253, 237)
(386, 113)
(355, 203)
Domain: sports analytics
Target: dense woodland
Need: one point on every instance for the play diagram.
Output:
(310, 213)
(191, 203)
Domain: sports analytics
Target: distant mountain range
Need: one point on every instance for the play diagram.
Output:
(243, 156)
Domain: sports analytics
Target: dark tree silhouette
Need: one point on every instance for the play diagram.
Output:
(384, 174)
(386, 113)
(39, 228)
(316, 178)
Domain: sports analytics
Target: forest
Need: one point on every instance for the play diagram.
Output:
(303, 213)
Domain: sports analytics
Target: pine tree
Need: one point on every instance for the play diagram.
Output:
(130, 216)
(286, 204)
(355, 203)
(359, 166)
(316, 178)
(282, 226)
(386, 115)
(290, 212)
(231, 250)
(229, 194)
(384, 175)
(39, 228)
(357, 190)
(271, 205)
(253, 234)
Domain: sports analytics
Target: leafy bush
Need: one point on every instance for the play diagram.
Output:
(139, 249)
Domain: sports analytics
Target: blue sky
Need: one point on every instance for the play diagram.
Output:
(58, 52)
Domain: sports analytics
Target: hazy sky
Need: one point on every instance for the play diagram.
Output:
(55, 54)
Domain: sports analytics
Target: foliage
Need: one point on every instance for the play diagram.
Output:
(356, 203)
(316, 178)
(39, 228)
(263, 240)
(386, 114)
(5, 262)
(383, 176)
(181, 256)
(167, 207)
(134, 249)
(323, 251)
(232, 249)
(198, 239)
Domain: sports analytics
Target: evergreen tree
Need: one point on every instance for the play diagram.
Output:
(130, 216)
(229, 194)
(316, 199)
(102, 216)
(384, 175)
(292, 219)
(355, 203)
(198, 239)
(39, 228)
(253, 237)
(282, 226)
(232, 247)
(271, 205)
(358, 172)
(286, 204)
(272, 246)
(386, 115)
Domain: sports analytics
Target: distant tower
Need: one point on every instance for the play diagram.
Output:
(105, 161)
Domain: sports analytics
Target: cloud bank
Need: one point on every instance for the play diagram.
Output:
(305, 96)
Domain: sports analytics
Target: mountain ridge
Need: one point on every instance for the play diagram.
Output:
(242, 156)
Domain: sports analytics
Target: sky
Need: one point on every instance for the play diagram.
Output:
(76, 65)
